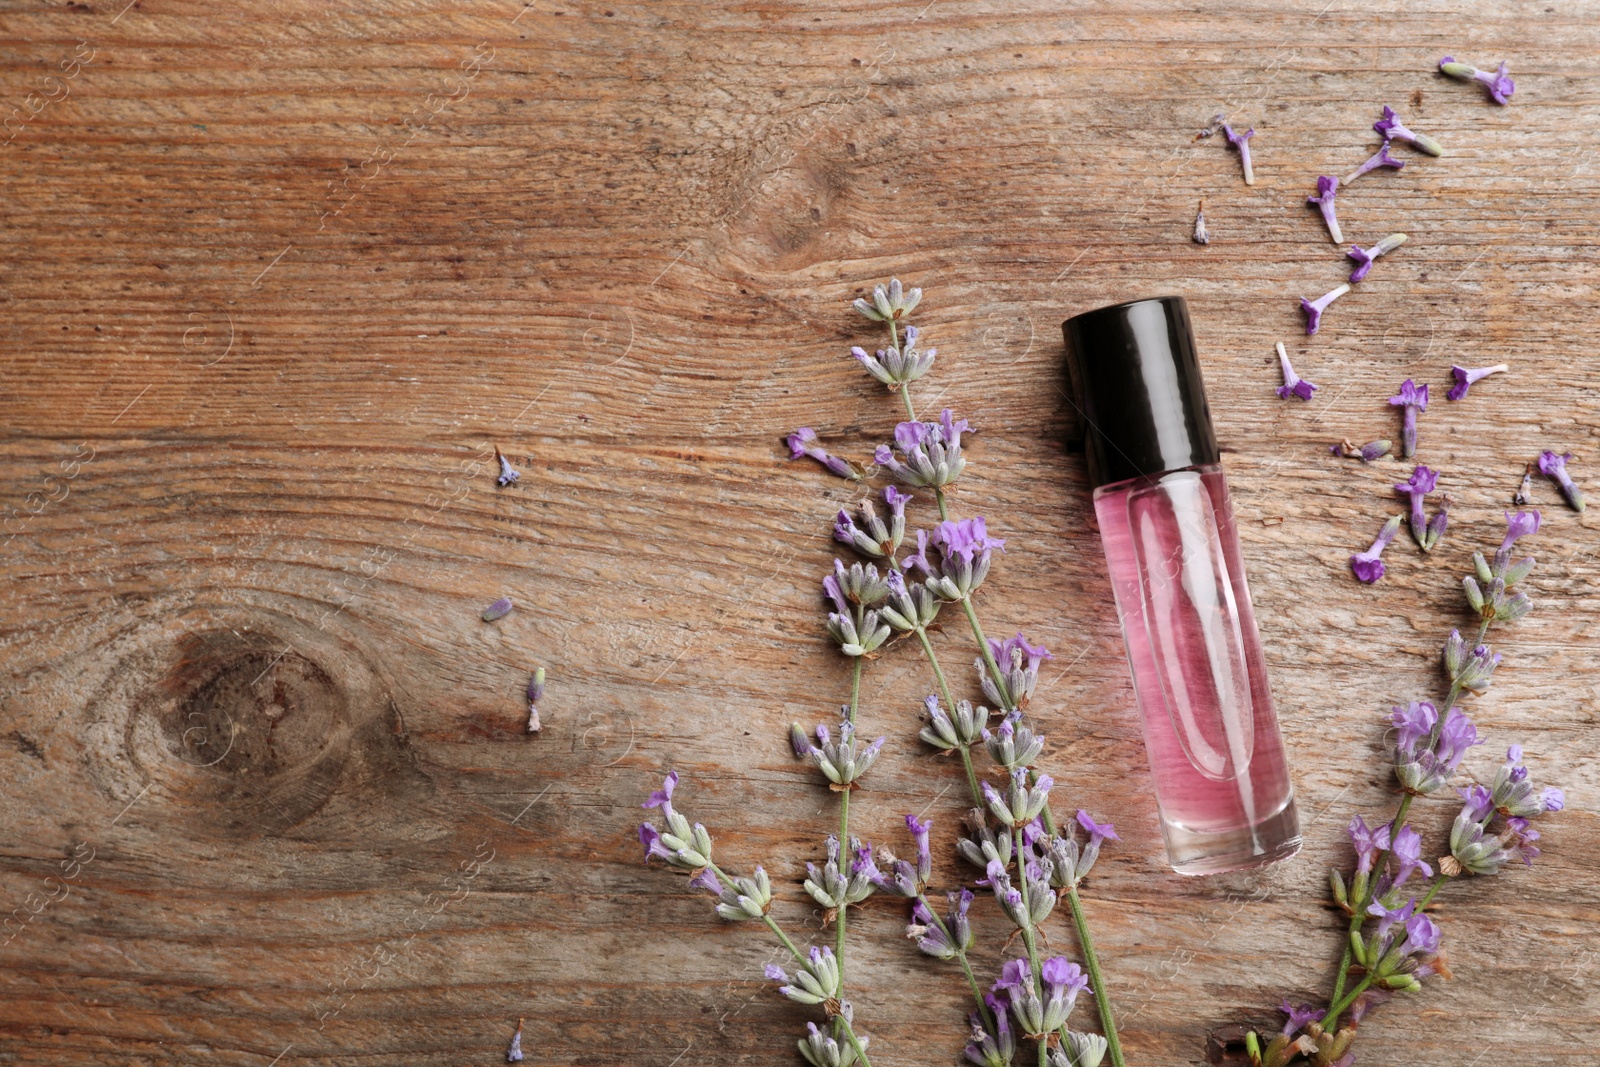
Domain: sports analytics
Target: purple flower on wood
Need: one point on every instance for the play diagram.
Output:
(1380, 158)
(1367, 566)
(508, 474)
(1412, 399)
(804, 442)
(1498, 84)
(1298, 1017)
(1554, 467)
(1315, 308)
(1423, 480)
(1422, 935)
(1365, 840)
(707, 880)
(919, 833)
(1241, 141)
(1407, 851)
(1327, 191)
(1293, 384)
(498, 610)
(1390, 126)
(1364, 258)
(1466, 378)
(514, 1053)
(535, 694)
(1098, 831)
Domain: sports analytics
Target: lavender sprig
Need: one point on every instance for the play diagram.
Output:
(1423, 481)
(1390, 127)
(1498, 84)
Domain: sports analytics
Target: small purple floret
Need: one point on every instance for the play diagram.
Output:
(1554, 467)
(1293, 384)
(1498, 84)
(1368, 567)
(1327, 190)
(1380, 158)
(1315, 308)
(803, 442)
(1413, 399)
(1466, 378)
(1241, 141)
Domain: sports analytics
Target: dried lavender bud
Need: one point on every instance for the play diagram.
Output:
(1009, 898)
(1080, 1050)
(1293, 384)
(514, 1053)
(1471, 669)
(861, 639)
(1201, 236)
(964, 551)
(983, 845)
(508, 474)
(498, 610)
(909, 607)
(1524, 494)
(930, 451)
(1315, 308)
(1013, 744)
(1412, 399)
(1241, 141)
(1022, 802)
(932, 940)
(1373, 450)
(896, 367)
(535, 694)
(820, 1050)
(867, 533)
(1499, 84)
(1039, 1012)
(1437, 524)
(831, 885)
(816, 982)
(680, 844)
(950, 732)
(1554, 467)
(1390, 126)
(1380, 158)
(1428, 750)
(842, 761)
(891, 304)
(1327, 191)
(996, 1049)
(1466, 378)
(1364, 259)
(860, 584)
(1514, 796)
(803, 442)
(746, 898)
(1019, 663)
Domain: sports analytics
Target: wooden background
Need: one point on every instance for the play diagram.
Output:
(277, 277)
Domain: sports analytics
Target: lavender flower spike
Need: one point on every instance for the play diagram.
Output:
(803, 442)
(1554, 467)
(1390, 126)
(1327, 189)
(1421, 483)
(1293, 384)
(1364, 259)
(1413, 399)
(1241, 141)
(1499, 84)
(1315, 308)
(1367, 566)
(888, 305)
(1466, 379)
(1380, 158)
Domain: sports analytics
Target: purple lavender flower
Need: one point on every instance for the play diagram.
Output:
(1019, 662)
(1422, 482)
(817, 980)
(1241, 141)
(1298, 1017)
(1413, 399)
(1499, 84)
(803, 442)
(1013, 743)
(1366, 565)
(535, 694)
(1475, 850)
(508, 474)
(1466, 378)
(996, 1049)
(1039, 1014)
(1201, 235)
(837, 883)
(964, 551)
(868, 533)
(930, 451)
(1514, 795)
(925, 930)
(1470, 669)
(1554, 467)
(1366, 841)
(1426, 750)
(1407, 851)
(897, 366)
(1327, 191)
(1364, 259)
(919, 834)
(680, 844)
(1315, 308)
(1097, 831)
(1390, 126)
(498, 610)
(707, 879)
(1293, 384)
(1380, 158)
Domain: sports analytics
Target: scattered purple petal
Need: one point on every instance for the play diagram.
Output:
(508, 474)
(514, 1053)
(1364, 258)
(1293, 384)
(803, 442)
(1327, 190)
(1315, 308)
(1368, 567)
(1201, 235)
(1465, 379)
(1499, 84)
(1390, 127)
(535, 694)
(498, 610)
(1554, 467)
(1241, 141)
(1413, 399)
(1380, 158)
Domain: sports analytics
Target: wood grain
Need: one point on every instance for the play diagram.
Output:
(277, 278)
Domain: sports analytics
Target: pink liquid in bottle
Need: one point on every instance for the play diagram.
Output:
(1217, 759)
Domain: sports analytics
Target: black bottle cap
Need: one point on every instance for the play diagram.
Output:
(1137, 385)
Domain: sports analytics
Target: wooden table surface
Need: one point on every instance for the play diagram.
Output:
(278, 278)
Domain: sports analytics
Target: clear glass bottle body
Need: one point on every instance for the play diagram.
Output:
(1221, 774)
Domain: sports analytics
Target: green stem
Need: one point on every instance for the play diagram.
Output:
(1358, 913)
(772, 924)
(855, 1042)
(905, 394)
(1433, 890)
(972, 778)
(938, 672)
(1097, 981)
(1332, 1018)
(988, 655)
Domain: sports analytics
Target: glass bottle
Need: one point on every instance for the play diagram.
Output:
(1217, 759)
